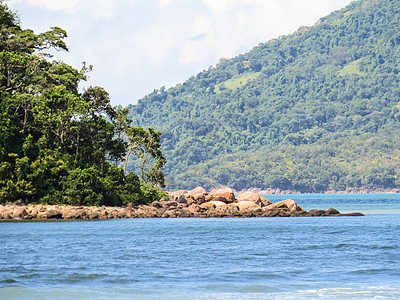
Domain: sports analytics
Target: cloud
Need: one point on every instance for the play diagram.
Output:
(232, 25)
(165, 2)
(218, 6)
(93, 8)
(68, 6)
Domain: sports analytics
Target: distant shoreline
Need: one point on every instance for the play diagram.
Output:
(278, 191)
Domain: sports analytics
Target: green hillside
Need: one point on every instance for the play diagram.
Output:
(312, 111)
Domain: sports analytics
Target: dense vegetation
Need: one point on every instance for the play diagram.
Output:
(58, 145)
(312, 111)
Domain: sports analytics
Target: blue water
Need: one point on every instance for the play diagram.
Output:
(258, 258)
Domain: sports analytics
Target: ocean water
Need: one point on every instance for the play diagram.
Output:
(227, 258)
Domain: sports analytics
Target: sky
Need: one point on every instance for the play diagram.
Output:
(136, 46)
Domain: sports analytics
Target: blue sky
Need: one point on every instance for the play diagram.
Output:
(137, 46)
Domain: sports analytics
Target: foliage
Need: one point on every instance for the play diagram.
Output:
(296, 112)
(57, 144)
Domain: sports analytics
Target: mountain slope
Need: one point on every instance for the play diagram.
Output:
(283, 114)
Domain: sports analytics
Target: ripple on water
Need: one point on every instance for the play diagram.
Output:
(79, 277)
(9, 281)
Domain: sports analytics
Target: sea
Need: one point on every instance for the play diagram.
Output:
(216, 258)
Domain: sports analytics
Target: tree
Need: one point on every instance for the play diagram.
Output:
(146, 146)
(56, 143)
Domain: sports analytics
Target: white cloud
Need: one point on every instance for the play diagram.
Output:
(68, 6)
(202, 25)
(218, 6)
(233, 25)
(165, 2)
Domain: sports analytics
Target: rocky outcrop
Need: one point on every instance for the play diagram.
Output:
(180, 204)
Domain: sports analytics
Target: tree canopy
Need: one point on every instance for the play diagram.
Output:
(58, 144)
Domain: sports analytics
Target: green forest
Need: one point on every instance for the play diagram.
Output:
(59, 145)
(312, 111)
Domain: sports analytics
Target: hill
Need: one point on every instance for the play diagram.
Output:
(312, 111)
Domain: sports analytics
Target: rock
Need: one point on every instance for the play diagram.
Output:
(156, 204)
(160, 211)
(354, 214)
(248, 196)
(218, 203)
(168, 204)
(174, 196)
(294, 213)
(289, 204)
(54, 214)
(41, 215)
(129, 212)
(316, 213)
(277, 205)
(331, 211)
(264, 201)
(223, 195)
(194, 208)
(146, 211)
(270, 212)
(208, 205)
(19, 213)
(189, 201)
(198, 198)
(175, 213)
(182, 199)
(197, 191)
(19, 202)
(284, 214)
(247, 206)
(93, 215)
(5, 214)
(253, 197)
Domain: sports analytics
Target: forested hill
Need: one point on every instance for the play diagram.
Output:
(312, 111)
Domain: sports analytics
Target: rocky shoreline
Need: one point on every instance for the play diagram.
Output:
(180, 204)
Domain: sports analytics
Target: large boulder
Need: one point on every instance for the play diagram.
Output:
(197, 196)
(253, 197)
(247, 206)
(196, 191)
(224, 195)
(248, 196)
